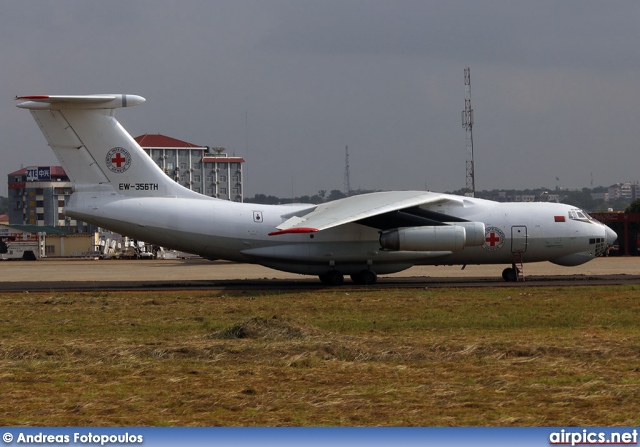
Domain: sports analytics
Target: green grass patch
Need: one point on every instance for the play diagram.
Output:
(506, 356)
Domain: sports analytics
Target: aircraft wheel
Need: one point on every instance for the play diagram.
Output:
(365, 278)
(510, 275)
(332, 278)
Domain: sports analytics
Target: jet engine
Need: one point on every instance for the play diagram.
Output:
(433, 238)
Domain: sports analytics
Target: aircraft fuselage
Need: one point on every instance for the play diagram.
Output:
(239, 232)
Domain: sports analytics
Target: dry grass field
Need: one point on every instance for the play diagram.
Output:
(445, 357)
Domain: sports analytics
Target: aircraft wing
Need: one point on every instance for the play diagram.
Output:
(380, 210)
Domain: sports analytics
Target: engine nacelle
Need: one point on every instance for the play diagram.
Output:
(451, 237)
(440, 238)
(474, 232)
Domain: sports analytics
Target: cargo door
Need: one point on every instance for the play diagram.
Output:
(518, 239)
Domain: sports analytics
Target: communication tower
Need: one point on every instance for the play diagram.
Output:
(467, 124)
(347, 181)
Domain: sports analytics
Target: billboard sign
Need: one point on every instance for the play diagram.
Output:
(38, 174)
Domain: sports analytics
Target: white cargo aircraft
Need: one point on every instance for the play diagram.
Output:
(118, 187)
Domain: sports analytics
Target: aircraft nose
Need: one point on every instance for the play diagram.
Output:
(610, 235)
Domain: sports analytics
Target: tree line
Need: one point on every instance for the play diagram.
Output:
(579, 198)
(320, 197)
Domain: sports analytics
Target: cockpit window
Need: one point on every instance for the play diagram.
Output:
(579, 215)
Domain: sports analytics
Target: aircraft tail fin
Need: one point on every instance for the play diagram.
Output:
(95, 149)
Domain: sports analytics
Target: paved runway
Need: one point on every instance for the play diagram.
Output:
(59, 274)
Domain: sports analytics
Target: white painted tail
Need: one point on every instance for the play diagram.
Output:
(95, 150)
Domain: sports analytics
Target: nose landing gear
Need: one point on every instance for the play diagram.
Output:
(516, 272)
(510, 274)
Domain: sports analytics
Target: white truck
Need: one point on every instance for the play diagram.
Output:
(26, 246)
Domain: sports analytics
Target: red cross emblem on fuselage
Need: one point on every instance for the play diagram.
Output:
(492, 240)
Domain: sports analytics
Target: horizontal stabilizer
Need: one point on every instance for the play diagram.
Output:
(58, 102)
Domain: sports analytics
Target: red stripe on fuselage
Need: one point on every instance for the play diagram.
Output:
(293, 231)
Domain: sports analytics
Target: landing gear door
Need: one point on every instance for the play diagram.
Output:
(518, 239)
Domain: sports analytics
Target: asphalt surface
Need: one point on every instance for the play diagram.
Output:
(91, 274)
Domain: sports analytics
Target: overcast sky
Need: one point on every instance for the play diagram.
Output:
(288, 84)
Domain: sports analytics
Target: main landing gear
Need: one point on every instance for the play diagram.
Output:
(332, 278)
(365, 278)
(335, 278)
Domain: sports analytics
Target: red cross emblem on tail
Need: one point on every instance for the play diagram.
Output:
(118, 160)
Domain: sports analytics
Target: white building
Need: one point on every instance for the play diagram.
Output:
(205, 170)
(625, 191)
(37, 196)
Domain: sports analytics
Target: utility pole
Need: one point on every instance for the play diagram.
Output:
(347, 180)
(467, 124)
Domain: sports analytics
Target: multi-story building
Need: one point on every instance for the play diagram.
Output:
(628, 191)
(37, 196)
(205, 170)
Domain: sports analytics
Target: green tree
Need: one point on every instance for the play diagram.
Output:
(581, 199)
(634, 207)
(619, 204)
(264, 199)
(335, 194)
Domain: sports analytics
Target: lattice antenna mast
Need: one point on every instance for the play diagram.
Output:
(347, 175)
(467, 123)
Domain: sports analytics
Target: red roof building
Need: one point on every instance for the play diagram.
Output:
(206, 170)
(157, 140)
